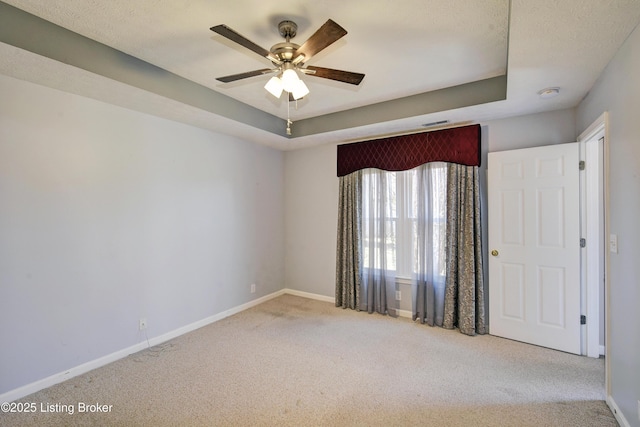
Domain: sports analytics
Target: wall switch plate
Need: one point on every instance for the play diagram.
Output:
(253, 288)
(143, 324)
(613, 243)
(398, 295)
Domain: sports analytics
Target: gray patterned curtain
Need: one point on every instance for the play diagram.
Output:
(348, 261)
(464, 288)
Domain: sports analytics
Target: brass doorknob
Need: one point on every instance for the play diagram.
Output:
(494, 252)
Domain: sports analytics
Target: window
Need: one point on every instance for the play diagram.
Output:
(399, 211)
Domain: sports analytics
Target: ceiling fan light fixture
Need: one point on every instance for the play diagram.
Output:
(289, 79)
(300, 90)
(274, 86)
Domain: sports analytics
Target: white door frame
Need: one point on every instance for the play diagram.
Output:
(596, 204)
(591, 230)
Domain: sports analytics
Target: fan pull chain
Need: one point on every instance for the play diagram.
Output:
(289, 122)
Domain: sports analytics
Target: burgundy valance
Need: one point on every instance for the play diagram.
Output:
(458, 145)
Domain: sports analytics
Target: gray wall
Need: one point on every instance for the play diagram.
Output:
(108, 215)
(311, 209)
(618, 92)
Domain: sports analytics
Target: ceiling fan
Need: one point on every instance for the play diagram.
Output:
(290, 58)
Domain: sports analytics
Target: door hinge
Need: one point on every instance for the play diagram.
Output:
(583, 319)
(583, 243)
(581, 165)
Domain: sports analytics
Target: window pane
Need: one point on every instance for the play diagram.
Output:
(379, 220)
(390, 242)
(390, 218)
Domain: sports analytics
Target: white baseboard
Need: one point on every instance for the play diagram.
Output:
(617, 412)
(54, 379)
(309, 295)
(405, 313)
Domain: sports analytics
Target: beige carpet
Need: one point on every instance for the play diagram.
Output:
(298, 362)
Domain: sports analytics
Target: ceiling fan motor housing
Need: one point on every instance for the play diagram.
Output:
(284, 51)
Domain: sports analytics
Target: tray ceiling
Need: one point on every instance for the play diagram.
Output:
(425, 60)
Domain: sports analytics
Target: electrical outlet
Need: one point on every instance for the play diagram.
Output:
(398, 295)
(253, 288)
(143, 323)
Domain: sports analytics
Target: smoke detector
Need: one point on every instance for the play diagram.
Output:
(549, 92)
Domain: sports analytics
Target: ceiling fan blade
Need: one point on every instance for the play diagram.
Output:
(338, 75)
(234, 77)
(227, 32)
(326, 35)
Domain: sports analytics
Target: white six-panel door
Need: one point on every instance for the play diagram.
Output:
(534, 246)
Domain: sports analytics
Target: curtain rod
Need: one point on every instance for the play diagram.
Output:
(410, 132)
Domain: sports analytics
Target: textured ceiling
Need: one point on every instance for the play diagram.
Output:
(424, 60)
